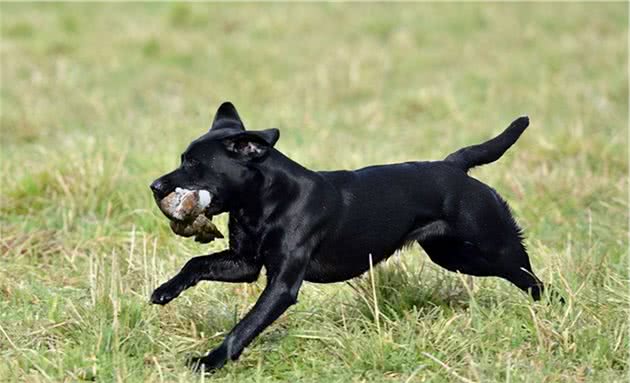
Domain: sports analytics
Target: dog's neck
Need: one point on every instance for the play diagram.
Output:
(279, 179)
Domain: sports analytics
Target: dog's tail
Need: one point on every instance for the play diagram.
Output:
(491, 150)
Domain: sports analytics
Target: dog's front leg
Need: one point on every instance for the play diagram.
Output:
(281, 292)
(224, 267)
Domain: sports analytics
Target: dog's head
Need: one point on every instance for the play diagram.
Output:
(222, 161)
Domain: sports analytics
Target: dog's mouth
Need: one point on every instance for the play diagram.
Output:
(189, 214)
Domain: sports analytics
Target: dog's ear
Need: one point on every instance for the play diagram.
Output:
(253, 144)
(227, 117)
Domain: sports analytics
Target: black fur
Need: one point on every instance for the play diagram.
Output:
(302, 225)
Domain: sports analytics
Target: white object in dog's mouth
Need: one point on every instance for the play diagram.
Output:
(204, 198)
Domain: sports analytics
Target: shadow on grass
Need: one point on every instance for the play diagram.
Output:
(400, 289)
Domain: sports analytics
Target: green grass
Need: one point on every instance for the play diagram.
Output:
(98, 100)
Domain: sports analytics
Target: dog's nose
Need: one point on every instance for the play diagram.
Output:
(157, 186)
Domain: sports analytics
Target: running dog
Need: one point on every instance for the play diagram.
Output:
(329, 226)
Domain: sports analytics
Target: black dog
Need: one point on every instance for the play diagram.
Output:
(302, 225)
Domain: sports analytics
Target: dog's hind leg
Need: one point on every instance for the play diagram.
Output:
(459, 256)
(508, 262)
(513, 264)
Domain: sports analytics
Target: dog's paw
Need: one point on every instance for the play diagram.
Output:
(209, 363)
(166, 293)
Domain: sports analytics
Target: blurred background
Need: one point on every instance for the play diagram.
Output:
(98, 100)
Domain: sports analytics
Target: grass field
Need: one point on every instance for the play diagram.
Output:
(98, 100)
